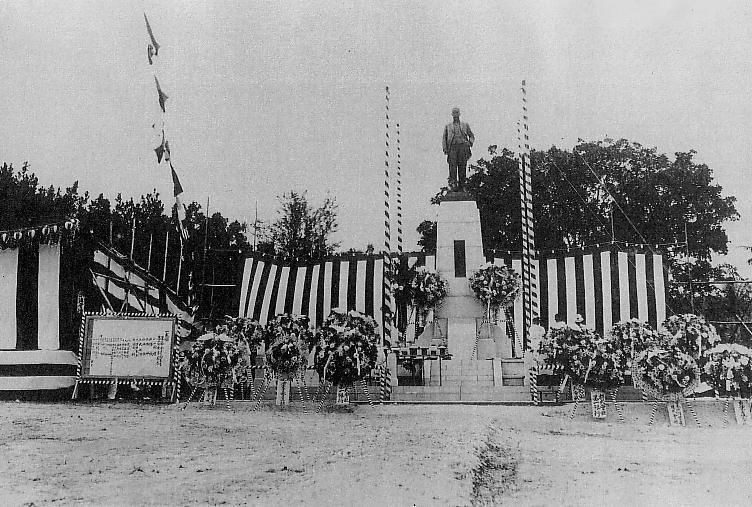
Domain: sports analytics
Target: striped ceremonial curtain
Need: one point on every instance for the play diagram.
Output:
(131, 288)
(37, 318)
(270, 287)
(30, 297)
(604, 287)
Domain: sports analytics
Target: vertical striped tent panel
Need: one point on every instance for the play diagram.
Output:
(605, 287)
(8, 277)
(31, 320)
(270, 286)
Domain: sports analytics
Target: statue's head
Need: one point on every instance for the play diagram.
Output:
(455, 112)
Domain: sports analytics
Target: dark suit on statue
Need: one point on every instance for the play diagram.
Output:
(456, 142)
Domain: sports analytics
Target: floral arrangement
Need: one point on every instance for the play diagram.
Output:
(247, 334)
(729, 369)
(632, 337)
(422, 288)
(243, 329)
(605, 368)
(587, 358)
(212, 360)
(286, 356)
(666, 371)
(288, 339)
(690, 333)
(497, 286)
(286, 324)
(347, 349)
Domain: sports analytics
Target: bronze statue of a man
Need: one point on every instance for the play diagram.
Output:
(456, 143)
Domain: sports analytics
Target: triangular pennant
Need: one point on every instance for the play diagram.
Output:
(162, 96)
(181, 210)
(177, 187)
(151, 36)
(160, 150)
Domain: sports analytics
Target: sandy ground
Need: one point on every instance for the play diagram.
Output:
(128, 454)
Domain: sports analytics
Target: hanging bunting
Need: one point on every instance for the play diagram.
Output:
(162, 95)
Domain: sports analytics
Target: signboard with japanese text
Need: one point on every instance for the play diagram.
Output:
(127, 346)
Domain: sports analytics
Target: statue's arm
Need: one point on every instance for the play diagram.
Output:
(444, 146)
(470, 135)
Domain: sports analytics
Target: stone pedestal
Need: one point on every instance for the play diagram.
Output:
(459, 252)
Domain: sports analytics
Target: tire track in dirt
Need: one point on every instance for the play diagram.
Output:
(496, 471)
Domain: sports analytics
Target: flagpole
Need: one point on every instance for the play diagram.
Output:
(148, 261)
(255, 227)
(166, 246)
(180, 266)
(203, 263)
(133, 232)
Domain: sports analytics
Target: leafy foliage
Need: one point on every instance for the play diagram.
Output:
(301, 231)
(24, 203)
(653, 198)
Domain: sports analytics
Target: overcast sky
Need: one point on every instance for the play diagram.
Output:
(266, 97)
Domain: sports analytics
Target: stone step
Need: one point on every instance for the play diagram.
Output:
(472, 383)
(460, 393)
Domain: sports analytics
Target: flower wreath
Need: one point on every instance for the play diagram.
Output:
(728, 369)
(690, 333)
(632, 337)
(347, 348)
(495, 285)
(666, 372)
(212, 361)
(424, 289)
(587, 358)
(288, 339)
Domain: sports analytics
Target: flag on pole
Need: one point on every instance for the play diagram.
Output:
(160, 150)
(154, 46)
(177, 190)
(162, 95)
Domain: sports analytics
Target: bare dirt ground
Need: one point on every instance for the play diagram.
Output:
(129, 454)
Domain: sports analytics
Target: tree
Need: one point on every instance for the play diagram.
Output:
(24, 203)
(610, 192)
(301, 231)
(427, 241)
(652, 198)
